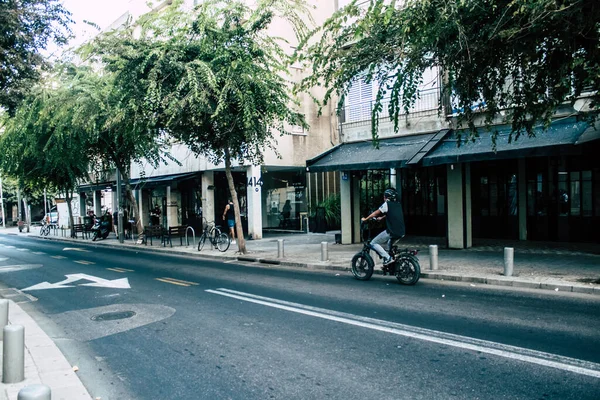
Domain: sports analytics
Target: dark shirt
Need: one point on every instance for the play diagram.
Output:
(394, 220)
(230, 215)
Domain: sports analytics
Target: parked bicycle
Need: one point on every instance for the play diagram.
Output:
(214, 236)
(405, 268)
(45, 228)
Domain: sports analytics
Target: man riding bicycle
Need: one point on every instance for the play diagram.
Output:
(391, 210)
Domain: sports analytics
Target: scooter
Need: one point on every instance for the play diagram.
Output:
(101, 229)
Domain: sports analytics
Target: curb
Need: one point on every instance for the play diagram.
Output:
(327, 265)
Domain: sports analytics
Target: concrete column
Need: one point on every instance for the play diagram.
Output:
(346, 206)
(468, 226)
(522, 190)
(172, 196)
(393, 178)
(82, 210)
(355, 209)
(456, 237)
(208, 195)
(254, 193)
(145, 207)
(97, 202)
(137, 193)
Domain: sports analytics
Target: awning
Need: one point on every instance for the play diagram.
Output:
(392, 153)
(559, 138)
(146, 182)
(151, 181)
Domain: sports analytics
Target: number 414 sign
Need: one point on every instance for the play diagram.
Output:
(256, 183)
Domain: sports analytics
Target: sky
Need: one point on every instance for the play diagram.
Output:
(101, 12)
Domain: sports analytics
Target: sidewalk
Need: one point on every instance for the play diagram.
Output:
(548, 266)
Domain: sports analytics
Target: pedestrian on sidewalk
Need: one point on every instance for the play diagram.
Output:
(229, 216)
(391, 210)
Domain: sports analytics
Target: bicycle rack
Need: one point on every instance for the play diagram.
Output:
(193, 236)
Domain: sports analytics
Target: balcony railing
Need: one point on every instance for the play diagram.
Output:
(427, 104)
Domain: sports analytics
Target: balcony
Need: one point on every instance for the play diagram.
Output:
(423, 116)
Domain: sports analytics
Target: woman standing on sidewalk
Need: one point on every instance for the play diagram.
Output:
(229, 216)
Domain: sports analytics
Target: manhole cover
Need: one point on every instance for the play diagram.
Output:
(111, 316)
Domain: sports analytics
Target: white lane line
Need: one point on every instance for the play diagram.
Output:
(512, 352)
(38, 252)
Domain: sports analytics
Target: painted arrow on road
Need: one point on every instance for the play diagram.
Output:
(122, 283)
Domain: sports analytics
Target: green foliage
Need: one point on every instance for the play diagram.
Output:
(333, 210)
(524, 57)
(42, 144)
(212, 78)
(26, 27)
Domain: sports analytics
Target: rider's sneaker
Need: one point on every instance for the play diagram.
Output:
(388, 261)
(233, 242)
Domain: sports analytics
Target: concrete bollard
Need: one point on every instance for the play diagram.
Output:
(433, 257)
(509, 256)
(280, 249)
(324, 252)
(3, 316)
(13, 356)
(35, 392)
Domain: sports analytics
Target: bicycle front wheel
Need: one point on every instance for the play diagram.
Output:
(362, 266)
(201, 242)
(222, 242)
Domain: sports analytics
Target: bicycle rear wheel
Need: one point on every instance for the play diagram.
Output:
(408, 270)
(222, 242)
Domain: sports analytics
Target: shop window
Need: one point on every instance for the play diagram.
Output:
(596, 192)
(575, 194)
(586, 194)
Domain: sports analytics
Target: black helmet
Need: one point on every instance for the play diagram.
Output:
(391, 194)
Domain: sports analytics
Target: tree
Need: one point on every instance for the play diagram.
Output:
(211, 78)
(26, 27)
(42, 145)
(519, 57)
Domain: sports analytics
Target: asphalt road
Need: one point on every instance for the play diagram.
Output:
(187, 328)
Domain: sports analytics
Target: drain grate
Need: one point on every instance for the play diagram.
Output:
(112, 316)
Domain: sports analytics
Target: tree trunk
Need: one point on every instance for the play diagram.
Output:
(238, 220)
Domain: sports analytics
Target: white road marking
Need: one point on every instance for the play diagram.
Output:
(512, 352)
(3, 259)
(122, 283)
(75, 249)
(12, 268)
(38, 252)
(23, 249)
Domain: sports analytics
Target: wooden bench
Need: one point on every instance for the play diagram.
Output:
(175, 231)
(153, 231)
(80, 228)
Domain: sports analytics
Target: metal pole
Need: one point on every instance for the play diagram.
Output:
(119, 207)
(45, 203)
(35, 392)
(13, 356)
(433, 257)
(324, 252)
(3, 316)
(280, 250)
(509, 255)
(2, 203)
